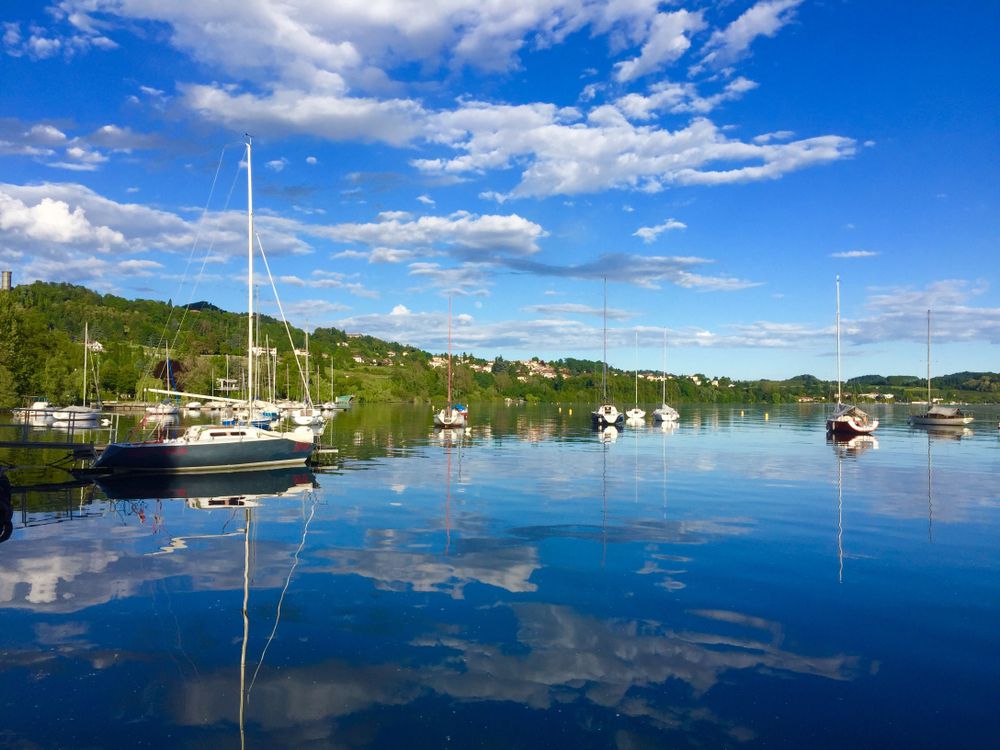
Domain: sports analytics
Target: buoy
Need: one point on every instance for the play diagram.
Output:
(560, 410)
(571, 412)
(766, 416)
(741, 412)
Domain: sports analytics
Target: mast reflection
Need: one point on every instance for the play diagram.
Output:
(846, 447)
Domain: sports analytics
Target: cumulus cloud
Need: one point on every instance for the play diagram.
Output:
(334, 115)
(462, 233)
(669, 38)
(53, 221)
(565, 155)
(307, 44)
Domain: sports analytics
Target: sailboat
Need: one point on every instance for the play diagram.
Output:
(938, 416)
(664, 412)
(217, 447)
(635, 415)
(606, 414)
(452, 415)
(847, 419)
(308, 415)
(79, 416)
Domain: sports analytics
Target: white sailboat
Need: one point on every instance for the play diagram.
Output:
(308, 415)
(606, 414)
(847, 419)
(452, 415)
(635, 415)
(217, 447)
(664, 412)
(938, 416)
(79, 416)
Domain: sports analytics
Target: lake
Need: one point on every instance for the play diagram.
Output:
(738, 581)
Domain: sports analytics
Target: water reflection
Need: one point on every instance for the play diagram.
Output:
(517, 588)
(216, 489)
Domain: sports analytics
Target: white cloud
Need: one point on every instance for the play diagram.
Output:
(462, 233)
(855, 254)
(277, 165)
(680, 98)
(389, 255)
(426, 200)
(649, 234)
(728, 45)
(312, 160)
(573, 308)
(561, 155)
(332, 115)
(668, 39)
(49, 220)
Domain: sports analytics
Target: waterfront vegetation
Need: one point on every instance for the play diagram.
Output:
(41, 355)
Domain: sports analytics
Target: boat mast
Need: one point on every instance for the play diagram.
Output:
(840, 398)
(604, 371)
(250, 384)
(636, 369)
(449, 353)
(663, 385)
(86, 346)
(928, 359)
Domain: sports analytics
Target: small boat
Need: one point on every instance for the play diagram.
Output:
(37, 414)
(938, 416)
(453, 415)
(635, 415)
(665, 412)
(75, 415)
(847, 419)
(606, 414)
(164, 408)
(79, 416)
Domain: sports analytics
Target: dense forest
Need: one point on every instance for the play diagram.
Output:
(42, 356)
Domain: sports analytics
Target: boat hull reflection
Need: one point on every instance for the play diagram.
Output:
(223, 489)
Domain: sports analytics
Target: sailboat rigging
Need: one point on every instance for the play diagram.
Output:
(452, 415)
(217, 447)
(847, 419)
(938, 416)
(636, 415)
(606, 414)
(664, 412)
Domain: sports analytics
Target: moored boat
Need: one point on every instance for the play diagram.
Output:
(847, 419)
(936, 415)
(217, 447)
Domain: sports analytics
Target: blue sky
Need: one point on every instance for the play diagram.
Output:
(719, 162)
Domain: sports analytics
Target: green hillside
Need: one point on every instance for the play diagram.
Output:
(41, 355)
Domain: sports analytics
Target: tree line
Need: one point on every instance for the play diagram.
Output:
(143, 342)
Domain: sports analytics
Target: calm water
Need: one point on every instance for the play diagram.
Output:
(736, 582)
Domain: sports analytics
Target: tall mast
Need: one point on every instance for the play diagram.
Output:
(928, 359)
(250, 385)
(449, 353)
(86, 346)
(663, 386)
(636, 369)
(840, 398)
(604, 371)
